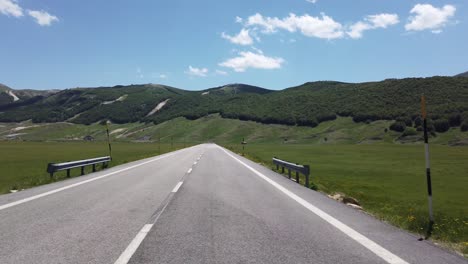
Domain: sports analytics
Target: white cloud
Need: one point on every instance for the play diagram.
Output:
(372, 22)
(312, 1)
(383, 20)
(10, 8)
(320, 27)
(426, 16)
(239, 19)
(220, 72)
(162, 76)
(243, 38)
(356, 30)
(200, 72)
(42, 18)
(248, 59)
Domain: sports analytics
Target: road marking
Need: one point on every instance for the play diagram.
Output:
(189, 171)
(25, 200)
(176, 188)
(195, 163)
(361, 239)
(131, 249)
(125, 257)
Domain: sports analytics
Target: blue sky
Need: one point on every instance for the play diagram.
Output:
(56, 44)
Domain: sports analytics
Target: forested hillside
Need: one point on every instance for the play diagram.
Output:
(465, 74)
(304, 105)
(8, 95)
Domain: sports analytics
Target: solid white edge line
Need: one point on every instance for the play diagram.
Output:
(25, 200)
(189, 171)
(176, 188)
(361, 239)
(133, 246)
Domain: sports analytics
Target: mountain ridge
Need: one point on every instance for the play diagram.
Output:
(305, 105)
(464, 74)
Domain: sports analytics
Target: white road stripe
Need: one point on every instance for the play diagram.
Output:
(131, 249)
(136, 242)
(25, 200)
(361, 239)
(195, 163)
(176, 188)
(189, 171)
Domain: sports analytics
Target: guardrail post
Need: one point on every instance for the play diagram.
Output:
(307, 175)
(94, 167)
(68, 173)
(289, 173)
(297, 176)
(282, 169)
(82, 170)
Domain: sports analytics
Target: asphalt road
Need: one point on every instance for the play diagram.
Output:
(198, 205)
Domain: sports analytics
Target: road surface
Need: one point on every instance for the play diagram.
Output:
(203, 204)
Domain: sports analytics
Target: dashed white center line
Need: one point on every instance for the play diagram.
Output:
(195, 163)
(176, 188)
(189, 171)
(130, 250)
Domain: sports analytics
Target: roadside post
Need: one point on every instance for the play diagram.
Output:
(159, 143)
(243, 146)
(108, 139)
(428, 164)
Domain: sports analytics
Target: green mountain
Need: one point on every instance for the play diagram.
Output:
(237, 88)
(465, 74)
(305, 105)
(4, 88)
(9, 95)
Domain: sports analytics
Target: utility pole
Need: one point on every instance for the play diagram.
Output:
(108, 139)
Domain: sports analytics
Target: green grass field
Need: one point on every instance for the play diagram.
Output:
(23, 164)
(214, 128)
(388, 180)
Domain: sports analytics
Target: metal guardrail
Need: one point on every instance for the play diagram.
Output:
(303, 169)
(54, 167)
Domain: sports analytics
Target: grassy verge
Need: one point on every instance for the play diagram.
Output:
(389, 181)
(23, 164)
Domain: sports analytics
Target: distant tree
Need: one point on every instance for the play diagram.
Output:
(464, 126)
(406, 120)
(455, 120)
(441, 125)
(430, 125)
(418, 122)
(398, 126)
